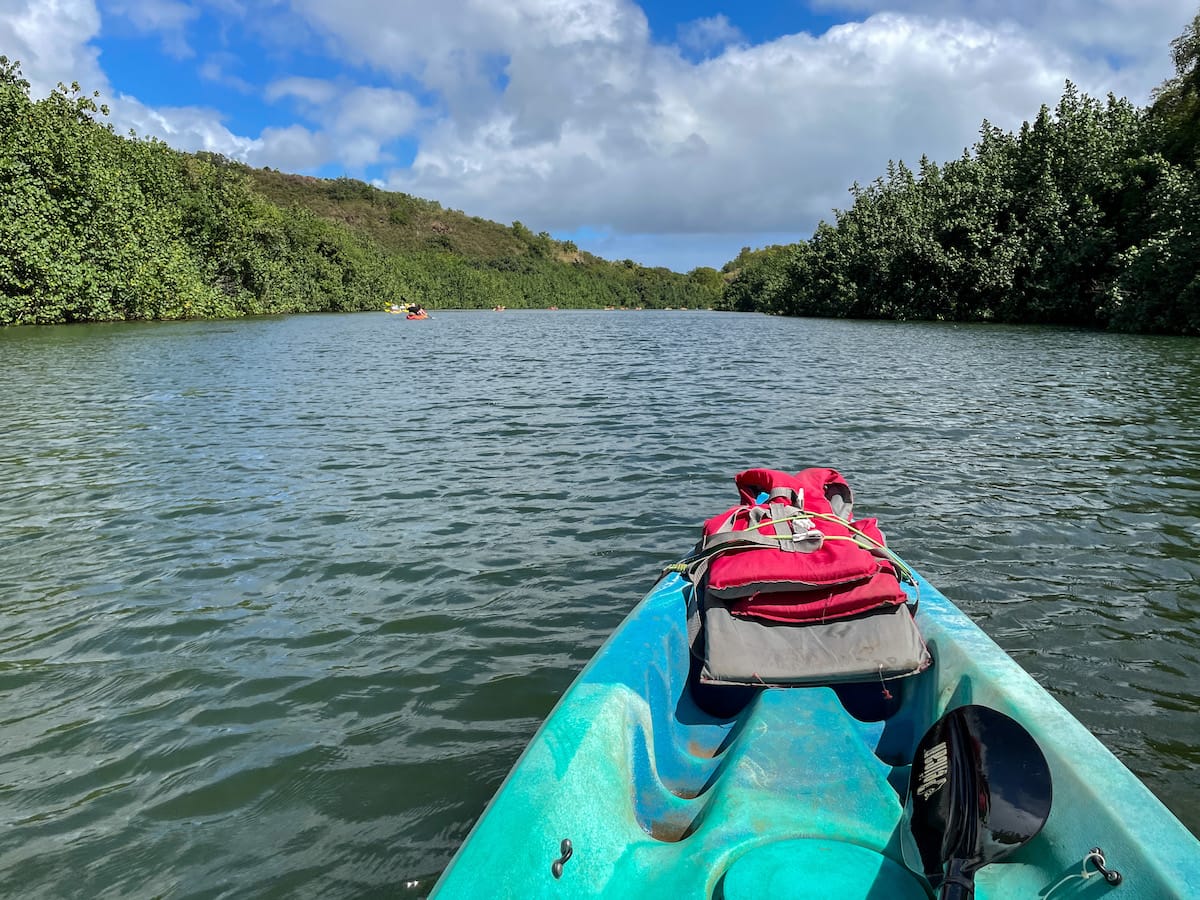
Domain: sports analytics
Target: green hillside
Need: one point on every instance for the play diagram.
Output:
(400, 223)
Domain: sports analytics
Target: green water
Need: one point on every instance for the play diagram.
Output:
(282, 600)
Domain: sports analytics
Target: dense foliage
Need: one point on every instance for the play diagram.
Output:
(1089, 216)
(98, 227)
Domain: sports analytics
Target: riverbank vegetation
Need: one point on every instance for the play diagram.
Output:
(98, 227)
(1088, 215)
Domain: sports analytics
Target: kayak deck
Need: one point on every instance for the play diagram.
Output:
(666, 789)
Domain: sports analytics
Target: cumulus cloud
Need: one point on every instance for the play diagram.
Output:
(217, 68)
(166, 18)
(355, 124)
(188, 128)
(51, 40)
(706, 35)
(765, 136)
(316, 92)
(292, 149)
(378, 112)
(1124, 40)
(560, 113)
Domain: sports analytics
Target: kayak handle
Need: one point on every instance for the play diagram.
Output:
(565, 848)
(1096, 858)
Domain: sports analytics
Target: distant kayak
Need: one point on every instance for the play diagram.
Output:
(653, 777)
(411, 311)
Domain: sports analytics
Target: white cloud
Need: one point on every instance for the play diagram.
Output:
(462, 48)
(379, 112)
(314, 91)
(705, 35)
(217, 69)
(1126, 38)
(292, 149)
(168, 18)
(760, 137)
(50, 39)
(355, 124)
(560, 114)
(183, 127)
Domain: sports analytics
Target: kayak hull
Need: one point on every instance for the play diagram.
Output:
(665, 790)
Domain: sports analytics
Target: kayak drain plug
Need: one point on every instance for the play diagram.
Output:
(1096, 858)
(566, 850)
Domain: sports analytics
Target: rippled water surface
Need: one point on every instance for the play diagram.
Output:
(282, 600)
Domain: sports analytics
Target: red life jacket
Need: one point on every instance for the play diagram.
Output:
(793, 557)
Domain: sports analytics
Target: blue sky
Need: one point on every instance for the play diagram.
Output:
(671, 133)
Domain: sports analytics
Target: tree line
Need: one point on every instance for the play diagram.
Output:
(1087, 216)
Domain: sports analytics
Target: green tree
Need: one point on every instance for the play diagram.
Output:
(1176, 102)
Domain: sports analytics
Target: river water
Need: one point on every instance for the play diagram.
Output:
(282, 600)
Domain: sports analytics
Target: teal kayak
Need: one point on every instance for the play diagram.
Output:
(637, 785)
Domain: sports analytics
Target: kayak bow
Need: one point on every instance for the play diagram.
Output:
(642, 783)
